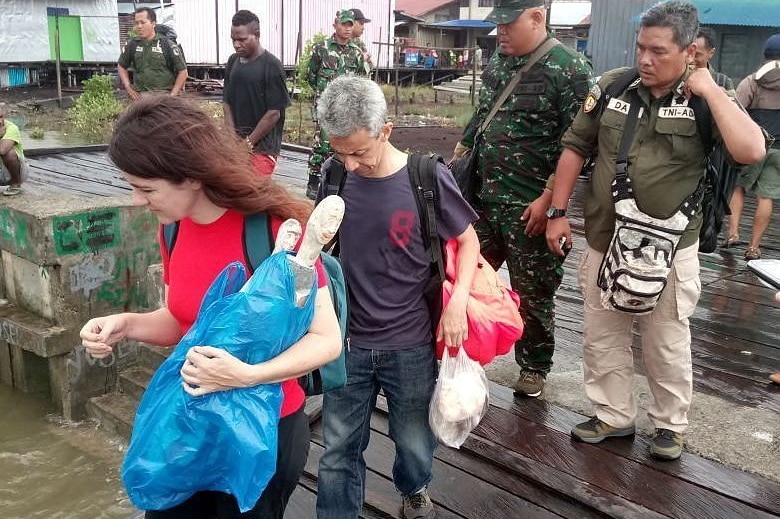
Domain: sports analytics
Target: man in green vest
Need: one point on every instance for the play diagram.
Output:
(157, 63)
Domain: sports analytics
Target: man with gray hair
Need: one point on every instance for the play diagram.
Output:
(12, 163)
(651, 151)
(387, 268)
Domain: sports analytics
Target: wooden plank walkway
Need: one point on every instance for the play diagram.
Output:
(521, 461)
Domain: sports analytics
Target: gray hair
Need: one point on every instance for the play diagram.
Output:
(350, 104)
(681, 17)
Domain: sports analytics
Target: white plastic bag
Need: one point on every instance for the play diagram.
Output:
(460, 398)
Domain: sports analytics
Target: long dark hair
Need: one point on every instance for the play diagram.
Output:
(169, 138)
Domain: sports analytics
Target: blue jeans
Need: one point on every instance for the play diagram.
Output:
(407, 378)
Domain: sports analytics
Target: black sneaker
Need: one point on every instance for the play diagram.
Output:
(666, 444)
(596, 431)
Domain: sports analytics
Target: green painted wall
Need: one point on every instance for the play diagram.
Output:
(71, 48)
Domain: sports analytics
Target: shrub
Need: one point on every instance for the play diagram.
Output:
(95, 111)
(36, 133)
(305, 91)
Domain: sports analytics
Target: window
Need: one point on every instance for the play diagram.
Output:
(486, 3)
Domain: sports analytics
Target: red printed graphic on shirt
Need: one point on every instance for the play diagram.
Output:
(401, 225)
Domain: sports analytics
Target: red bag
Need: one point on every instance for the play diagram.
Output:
(492, 311)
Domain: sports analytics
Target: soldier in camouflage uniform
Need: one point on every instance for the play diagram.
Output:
(357, 33)
(517, 155)
(336, 56)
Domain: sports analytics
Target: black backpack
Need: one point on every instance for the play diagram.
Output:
(167, 41)
(721, 174)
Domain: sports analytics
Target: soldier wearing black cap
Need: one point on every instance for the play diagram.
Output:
(357, 32)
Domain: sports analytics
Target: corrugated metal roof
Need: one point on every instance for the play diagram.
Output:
(756, 13)
(420, 7)
(478, 24)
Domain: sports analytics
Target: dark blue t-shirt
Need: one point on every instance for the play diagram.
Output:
(384, 259)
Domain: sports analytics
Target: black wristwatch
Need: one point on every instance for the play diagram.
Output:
(554, 212)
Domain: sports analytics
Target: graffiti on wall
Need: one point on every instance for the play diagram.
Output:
(86, 232)
(79, 361)
(13, 230)
(92, 272)
(117, 280)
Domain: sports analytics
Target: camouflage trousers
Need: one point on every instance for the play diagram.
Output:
(534, 272)
(320, 151)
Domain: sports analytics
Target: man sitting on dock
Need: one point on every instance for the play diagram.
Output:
(11, 156)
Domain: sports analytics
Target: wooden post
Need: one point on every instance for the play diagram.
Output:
(396, 92)
(58, 64)
(473, 74)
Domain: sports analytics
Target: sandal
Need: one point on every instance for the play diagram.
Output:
(13, 191)
(731, 241)
(752, 253)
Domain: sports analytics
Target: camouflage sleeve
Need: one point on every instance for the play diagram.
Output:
(363, 66)
(577, 81)
(315, 63)
(178, 58)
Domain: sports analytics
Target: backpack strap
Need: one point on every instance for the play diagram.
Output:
(132, 46)
(422, 175)
(334, 175)
(170, 232)
(229, 65)
(258, 239)
(615, 89)
(703, 121)
(621, 189)
(167, 47)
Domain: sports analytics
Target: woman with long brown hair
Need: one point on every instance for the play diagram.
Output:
(185, 169)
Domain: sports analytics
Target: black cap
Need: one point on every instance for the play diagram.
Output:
(359, 16)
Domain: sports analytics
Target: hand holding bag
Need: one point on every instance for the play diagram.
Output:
(492, 312)
(460, 399)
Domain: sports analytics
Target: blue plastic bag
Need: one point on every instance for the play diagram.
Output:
(225, 441)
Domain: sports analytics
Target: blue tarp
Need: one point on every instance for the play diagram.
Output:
(755, 13)
(751, 13)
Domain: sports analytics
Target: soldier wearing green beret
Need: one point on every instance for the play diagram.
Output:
(336, 56)
(516, 156)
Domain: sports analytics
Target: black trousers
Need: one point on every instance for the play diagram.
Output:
(293, 451)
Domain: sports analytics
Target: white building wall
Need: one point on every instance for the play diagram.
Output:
(24, 30)
(204, 28)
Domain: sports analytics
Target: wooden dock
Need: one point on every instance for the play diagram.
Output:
(521, 462)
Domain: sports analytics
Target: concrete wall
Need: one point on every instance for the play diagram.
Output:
(65, 260)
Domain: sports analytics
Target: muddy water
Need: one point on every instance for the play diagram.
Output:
(56, 470)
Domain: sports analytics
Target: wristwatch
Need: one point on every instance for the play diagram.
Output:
(554, 212)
